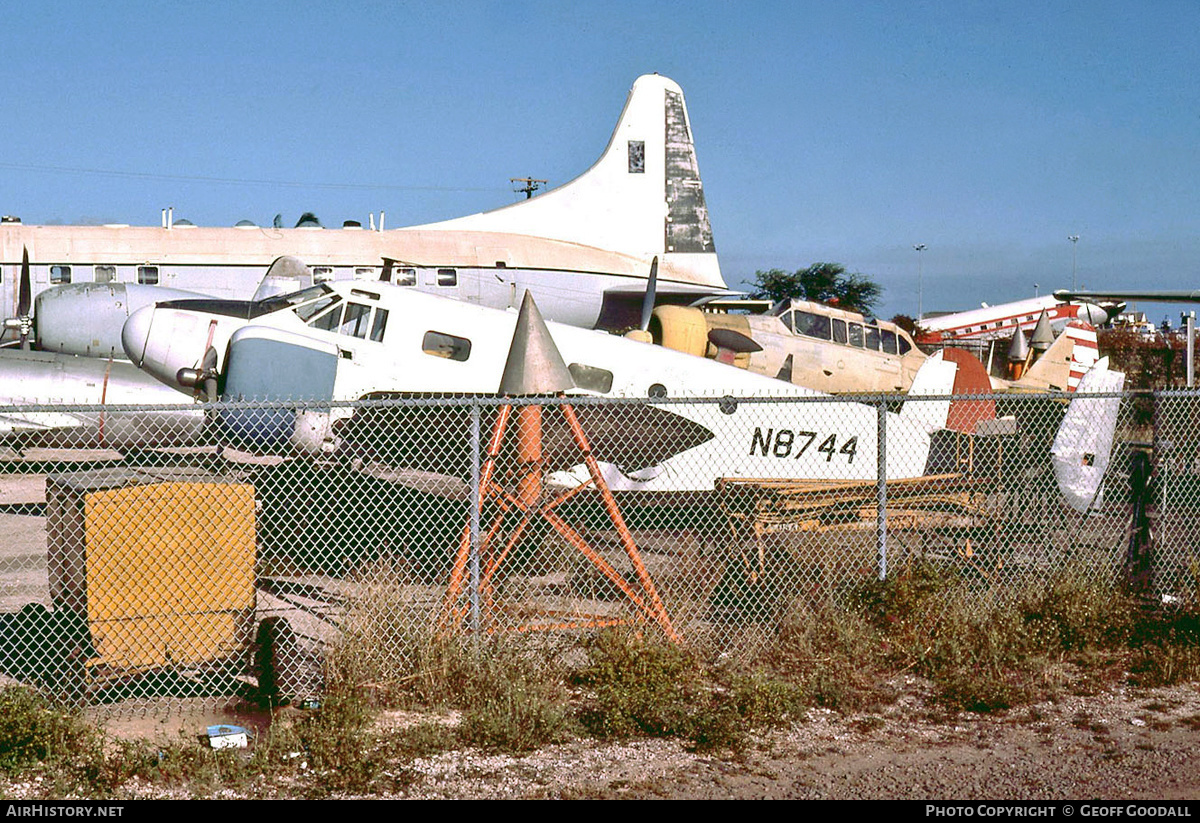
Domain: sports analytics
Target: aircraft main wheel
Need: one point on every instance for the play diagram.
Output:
(275, 658)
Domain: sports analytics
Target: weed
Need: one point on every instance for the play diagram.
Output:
(32, 730)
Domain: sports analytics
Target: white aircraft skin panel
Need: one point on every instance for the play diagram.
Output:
(1083, 446)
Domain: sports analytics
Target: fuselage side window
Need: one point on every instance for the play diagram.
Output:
(104, 274)
(890, 344)
(321, 274)
(364, 273)
(446, 345)
(355, 320)
(148, 275)
(856, 335)
(406, 277)
(873, 338)
(310, 310)
(812, 325)
(447, 277)
(60, 275)
(380, 324)
(840, 334)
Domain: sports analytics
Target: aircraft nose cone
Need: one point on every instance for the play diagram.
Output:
(136, 333)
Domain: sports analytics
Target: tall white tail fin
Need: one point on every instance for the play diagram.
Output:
(643, 197)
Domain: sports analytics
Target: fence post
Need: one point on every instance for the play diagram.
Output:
(881, 484)
(476, 496)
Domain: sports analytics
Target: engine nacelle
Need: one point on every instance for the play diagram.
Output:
(691, 330)
(86, 318)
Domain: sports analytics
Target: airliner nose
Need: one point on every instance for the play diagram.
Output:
(135, 334)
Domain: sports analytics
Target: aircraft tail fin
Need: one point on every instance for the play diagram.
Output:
(643, 197)
(1065, 362)
(935, 378)
(1082, 447)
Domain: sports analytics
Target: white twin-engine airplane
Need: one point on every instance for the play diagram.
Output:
(346, 341)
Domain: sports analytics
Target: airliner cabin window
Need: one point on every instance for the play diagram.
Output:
(812, 325)
(148, 275)
(406, 277)
(447, 277)
(355, 320)
(840, 334)
(104, 274)
(311, 310)
(446, 345)
(60, 275)
(379, 325)
(322, 274)
(364, 273)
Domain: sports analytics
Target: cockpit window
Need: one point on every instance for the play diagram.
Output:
(856, 335)
(284, 301)
(308, 311)
(873, 338)
(380, 324)
(355, 320)
(889, 342)
(811, 325)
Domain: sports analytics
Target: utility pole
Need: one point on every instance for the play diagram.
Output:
(1074, 238)
(531, 185)
(918, 248)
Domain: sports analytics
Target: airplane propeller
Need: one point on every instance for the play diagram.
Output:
(23, 323)
(204, 379)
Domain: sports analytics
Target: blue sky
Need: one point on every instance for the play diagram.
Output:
(825, 131)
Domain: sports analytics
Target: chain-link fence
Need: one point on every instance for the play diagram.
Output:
(152, 551)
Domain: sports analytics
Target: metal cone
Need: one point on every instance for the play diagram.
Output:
(534, 364)
(1018, 349)
(1043, 336)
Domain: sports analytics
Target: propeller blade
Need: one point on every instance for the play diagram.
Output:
(24, 289)
(208, 366)
(24, 299)
(648, 300)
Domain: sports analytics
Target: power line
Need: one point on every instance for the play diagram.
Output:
(235, 181)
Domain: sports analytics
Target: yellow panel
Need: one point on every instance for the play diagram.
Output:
(180, 639)
(163, 559)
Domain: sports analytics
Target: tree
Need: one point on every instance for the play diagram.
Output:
(822, 282)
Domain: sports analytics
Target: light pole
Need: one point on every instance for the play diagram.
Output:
(918, 248)
(1074, 238)
(1035, 290)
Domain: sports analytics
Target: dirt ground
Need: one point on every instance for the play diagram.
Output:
(1119, 745)
(1122, 744)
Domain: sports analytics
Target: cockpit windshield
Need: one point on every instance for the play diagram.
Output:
(285, 301)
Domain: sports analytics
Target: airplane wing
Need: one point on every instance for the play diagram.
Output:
(1168, 296)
